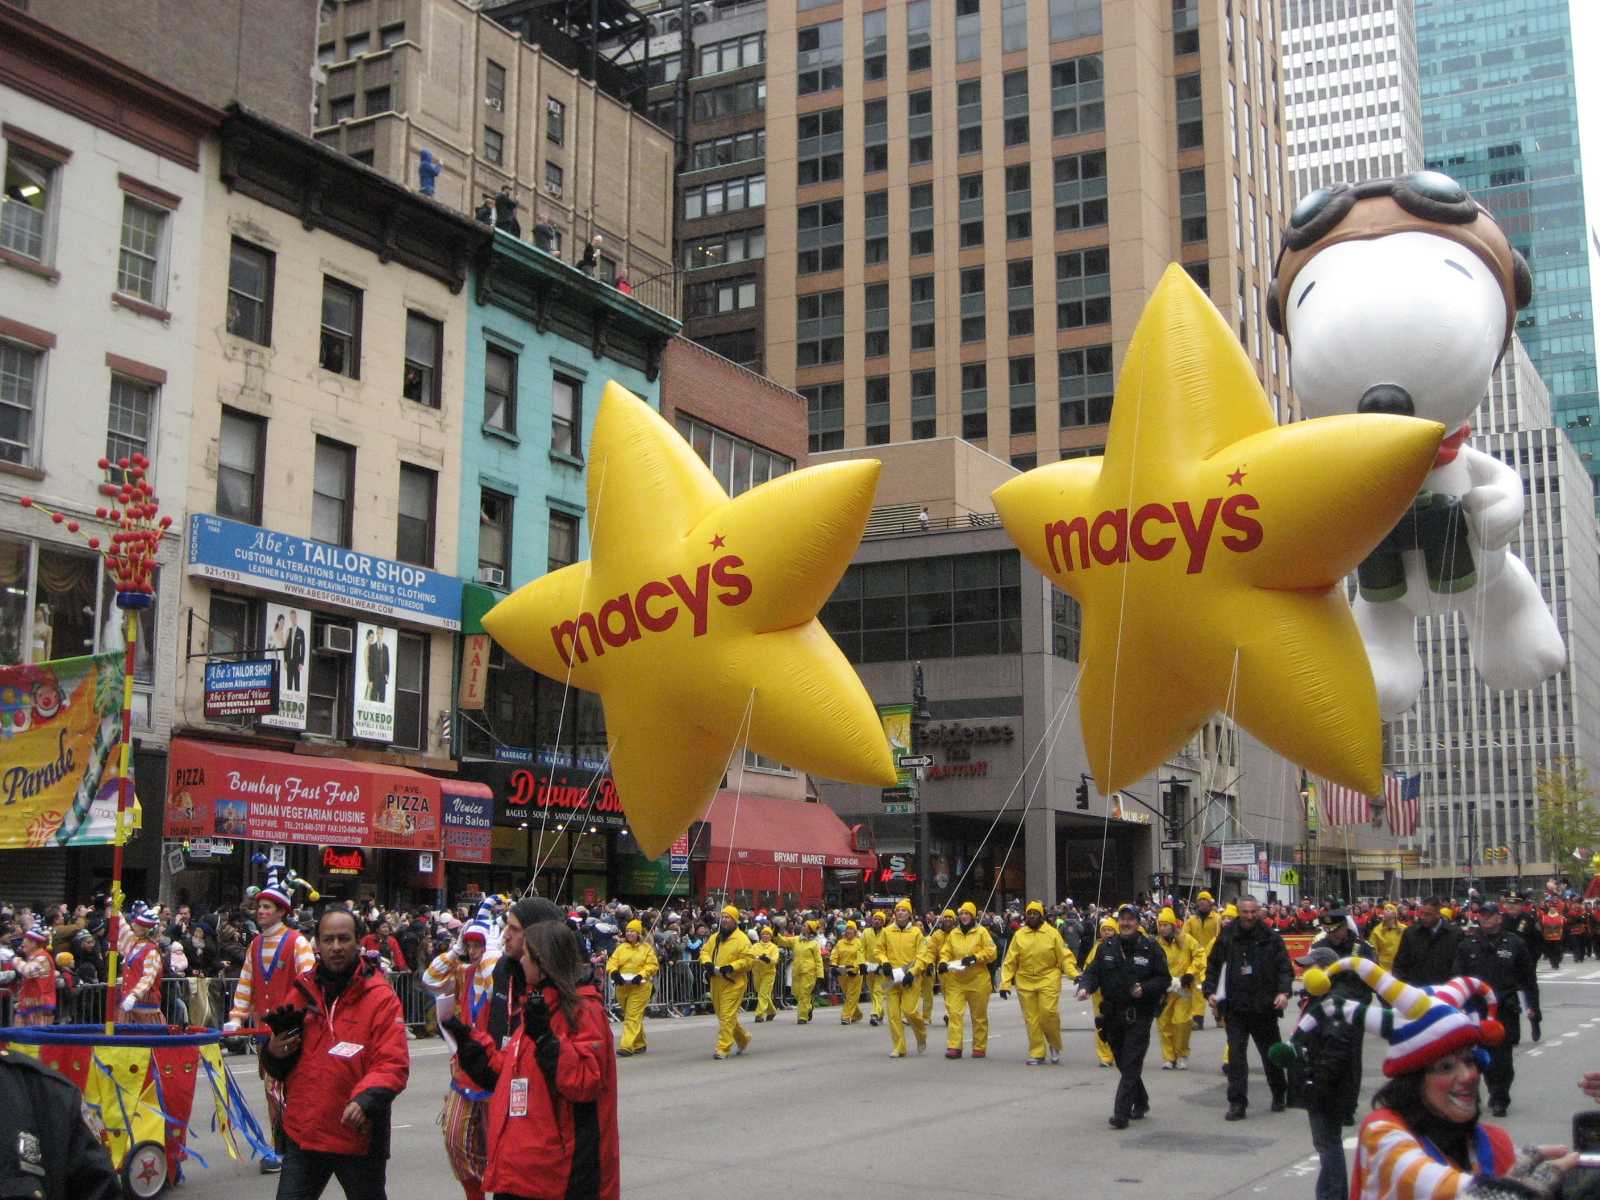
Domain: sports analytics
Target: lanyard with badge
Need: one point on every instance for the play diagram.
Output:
(340, 1049)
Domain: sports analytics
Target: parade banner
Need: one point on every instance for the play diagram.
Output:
(896, 720)
(266, 796)
(60, 724)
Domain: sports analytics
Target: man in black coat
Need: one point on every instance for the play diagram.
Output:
(47, 1148)
(1248, 981)
(1501, 959)
(1427, 953)
(1521, 920)
(1338, 935)
(1130, 973)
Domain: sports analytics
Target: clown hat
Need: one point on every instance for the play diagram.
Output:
(142, 916)
(37, 934)
(1421, 1025)
(481, 923)
(276, 890)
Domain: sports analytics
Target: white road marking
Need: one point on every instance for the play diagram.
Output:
(1593, 975)
(1573, 1034)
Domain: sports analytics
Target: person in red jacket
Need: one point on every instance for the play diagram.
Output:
(339, 1048)
(36, 975)
(553, 1114)
(387, 946)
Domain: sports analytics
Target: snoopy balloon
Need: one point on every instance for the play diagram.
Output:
(1400, 296)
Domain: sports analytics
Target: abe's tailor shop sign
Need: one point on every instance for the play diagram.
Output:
(246, 688)
(279, 562)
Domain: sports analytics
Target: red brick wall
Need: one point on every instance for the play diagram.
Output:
(709, 388)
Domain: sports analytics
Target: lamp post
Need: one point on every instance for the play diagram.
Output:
(920, 716)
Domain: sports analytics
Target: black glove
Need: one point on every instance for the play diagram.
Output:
(708, 969)
(885, 969)
(616, 978)
(726, 970)
(287, 1019)
(470, 1054)
(1534, 1025)
(1187, 981)
(943, 967)
(536, 1016)
(969, 961)
(909, 979)
(1005, 993)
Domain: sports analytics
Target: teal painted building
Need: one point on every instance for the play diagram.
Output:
(543, 339)
(1500, 114)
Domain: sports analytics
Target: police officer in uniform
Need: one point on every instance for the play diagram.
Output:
(1521, 920)
(1130, 973)
(1502, 960)
(48, 1151)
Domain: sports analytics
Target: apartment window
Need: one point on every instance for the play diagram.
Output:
(875, 44)
(919, 126)
(341, 108)
(820, 148)
(555, 121)
(341, 328)
(957, 606)
(664, 68)
(357, 44)
(555, 179)
(131, 420)
(1066, 625)
(1192, 204)
(494, 146)
(924, 405)
(411, 691)
(1014, 90)
(561, 541)
(21, 388)
(974, 401)
(719, 296)
(499, 388)
(726, 195)
(1019, 298)
(742, 346)
(365, 157)
(875, 135)
(1077, 96)
(1014, 26)
(241, 453)
(1086, 386)
(919, 40)
(973, 305)
(825, 416)
(878, 410)
(1186, 26)
(819, 328)
(920, 197)
(141, 273)
(327, 53)
(1074, 19)
(250, 278)
(821, 237)
(730, 100)
(877, 328)
(1083, 288)
(1200, 272)
(732, 54)
(414, 519)
(741, 245)
(332, 485)
(328, 684)
(424, 349)
(820, 57)
(875, 248)
(969, 193)
(724, 151)
(494, 84)
(922, 312)
(969, 30)
(566, 415)
(1080, 191)
(737, 464)
(1019, 202)
(1023, 395)
(28, 204)
(969, 117)
(494, 533)
(378, 100)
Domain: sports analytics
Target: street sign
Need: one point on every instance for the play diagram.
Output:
(898, 795)
(1178, 845)
(1238, 854)
(1289, 877)
(898, 808)
(277, 856)
(914, 760)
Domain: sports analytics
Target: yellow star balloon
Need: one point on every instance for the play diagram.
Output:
(695, 610)
(1208, 535)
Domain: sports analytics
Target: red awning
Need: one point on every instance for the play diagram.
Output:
(762, 830)
(219, 790)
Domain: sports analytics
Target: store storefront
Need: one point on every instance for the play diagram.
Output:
(766, 852)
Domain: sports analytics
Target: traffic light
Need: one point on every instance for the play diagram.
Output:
(1083, 794)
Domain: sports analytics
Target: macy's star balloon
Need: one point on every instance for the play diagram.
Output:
(692, 608)
(1206, 533)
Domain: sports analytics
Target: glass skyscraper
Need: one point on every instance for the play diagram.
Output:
(1500, 114)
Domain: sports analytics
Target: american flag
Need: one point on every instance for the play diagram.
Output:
(1344, 806)
(1403, 797)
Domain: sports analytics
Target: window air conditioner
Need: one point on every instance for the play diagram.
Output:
(553, 188)
(495, 103)
(336, 639)
(492, 576)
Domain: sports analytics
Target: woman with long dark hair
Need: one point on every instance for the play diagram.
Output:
(553, 1114)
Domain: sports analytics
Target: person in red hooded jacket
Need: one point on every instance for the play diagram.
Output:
(339, 1048)
(553, 1114)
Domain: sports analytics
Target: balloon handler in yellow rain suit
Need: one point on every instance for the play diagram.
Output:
(1108, 930)
(764, 953)
(727, 956)
(806, 970)
(871, 939)
(632, 967)
(1204, 925)
(900, 948)
(935, 940)
(1035, 962)
(964, 962)
(850, 964)
(1186, 962)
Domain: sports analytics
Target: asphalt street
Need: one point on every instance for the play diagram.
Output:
(821, 1110)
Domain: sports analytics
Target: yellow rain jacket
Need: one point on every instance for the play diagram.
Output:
(849, 952)
(1385, 944)
(730, 951)
(1185, 956)
(637, 958)
(962, 943)
(1036, 958)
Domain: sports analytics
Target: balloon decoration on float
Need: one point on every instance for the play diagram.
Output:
(694, 618)
(1207, 547)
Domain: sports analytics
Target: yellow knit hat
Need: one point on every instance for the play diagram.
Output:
(1205, 896)
(729, 910)
(1034, 906)
(635, 926)
(1108, 923)
(851, 925)
(949, 912)
(967, 906)
(811, 926)
(902, 903)
(1166, 917)
(1231, 911)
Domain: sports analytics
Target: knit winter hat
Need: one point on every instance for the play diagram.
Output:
(729, 910)
(1421, 1025)
(37, 934)
(142, 916)
(1167, 916)
(902, 903)
(1204, 896)
(968, 907)
(635, 926)
(276, 890)
(1034, 906)
(481, 923)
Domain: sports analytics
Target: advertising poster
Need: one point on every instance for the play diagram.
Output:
(60, 724)
(287, 636)
(241, 688)
(372, 706)
(896, 720)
